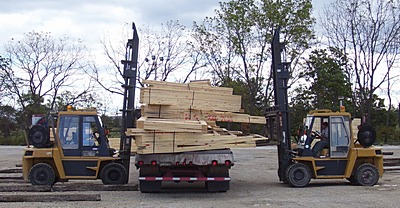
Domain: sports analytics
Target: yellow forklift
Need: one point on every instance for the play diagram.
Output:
(346, 156)
(80, 149)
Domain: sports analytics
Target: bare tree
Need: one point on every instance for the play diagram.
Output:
(41, 67)
(164, 53)
(369, 32)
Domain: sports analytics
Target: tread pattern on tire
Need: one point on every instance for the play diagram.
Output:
(298, 175)
(366, 136)
(367, 175)
(113, 173)
(42, 174)
(38, 136)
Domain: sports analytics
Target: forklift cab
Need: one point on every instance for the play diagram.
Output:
(339, 135)
(82, 135)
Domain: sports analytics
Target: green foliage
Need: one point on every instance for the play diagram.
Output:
(15, 138)
(326, 81)
(327, 78)
(388, 135)
(236, 42)
(8, 121)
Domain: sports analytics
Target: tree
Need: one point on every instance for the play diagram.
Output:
(8, 120)
(237, 41)
(41, 66)
(325, 80)
(369, 33)
(326, 76)
(165, 53)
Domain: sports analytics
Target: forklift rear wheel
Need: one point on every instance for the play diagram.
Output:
(38, 136)
(367, 175)
(42, 174)
(298, 175)
(113, 173)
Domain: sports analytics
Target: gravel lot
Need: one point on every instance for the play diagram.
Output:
(254, 184)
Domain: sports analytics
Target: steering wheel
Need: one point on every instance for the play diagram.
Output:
(315, 134)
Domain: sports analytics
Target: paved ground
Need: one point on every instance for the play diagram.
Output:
(254, 184)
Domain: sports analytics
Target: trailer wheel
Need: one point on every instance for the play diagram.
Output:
(298, 175)
(367, 175)
(113, 173)
(217, 186)
(42, 174)
(38, 136)
(366, 136)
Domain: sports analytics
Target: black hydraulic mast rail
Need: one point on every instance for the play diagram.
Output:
(278, 115)
(128, 110)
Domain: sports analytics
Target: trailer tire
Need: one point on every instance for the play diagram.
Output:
(38, 136)
(298, 175)
(367, 175)
(366, 136)
(42, 174)
(113, 173)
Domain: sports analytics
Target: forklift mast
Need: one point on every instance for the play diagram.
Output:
(278, 116)
(128, 109)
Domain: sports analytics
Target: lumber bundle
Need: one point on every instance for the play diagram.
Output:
(177, 117)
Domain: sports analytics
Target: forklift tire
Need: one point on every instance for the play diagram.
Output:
(367, 175)
(114, 173)
(298, 175)
(38, 136)
(42, 174)
(366, 136)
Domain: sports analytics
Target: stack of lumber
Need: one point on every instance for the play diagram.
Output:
(177, 117)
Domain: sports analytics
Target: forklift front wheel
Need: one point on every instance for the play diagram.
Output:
(114, 173)
(298, 175)
(42, 174)
(367, 175)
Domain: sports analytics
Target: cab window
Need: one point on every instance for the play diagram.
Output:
(340, 139)
(68, 132)
(89, 131)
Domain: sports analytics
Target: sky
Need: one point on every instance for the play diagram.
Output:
(93, 20)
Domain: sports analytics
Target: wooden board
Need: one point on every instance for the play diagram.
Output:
(191, 99)
(177, 112)
(171, 125)
(180, 117)
(49, 197)
(162, 142)
(200, 86)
